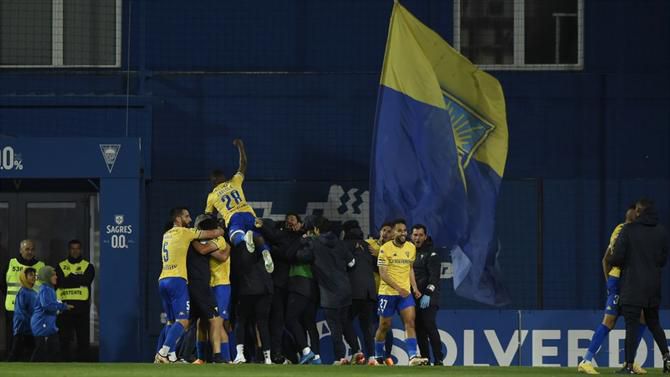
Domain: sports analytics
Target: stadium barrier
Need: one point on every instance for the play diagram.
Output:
(549, 338)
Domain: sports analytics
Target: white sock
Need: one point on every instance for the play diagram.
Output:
(164, 351)
(172, 356)
(317, 357)
(268, 360)
(240, 351)
(306, 351)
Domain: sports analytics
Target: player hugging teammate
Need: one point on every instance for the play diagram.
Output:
(200, 267)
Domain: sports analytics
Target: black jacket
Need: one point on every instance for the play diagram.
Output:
(330, 258)
(280, 241)
(641, 251)
(427, 267)
(247, 273)
(361, 275)
(301, 279)
(197, 268)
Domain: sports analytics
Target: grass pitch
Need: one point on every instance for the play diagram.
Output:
(255, 370)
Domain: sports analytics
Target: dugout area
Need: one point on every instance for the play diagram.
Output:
(55, 189)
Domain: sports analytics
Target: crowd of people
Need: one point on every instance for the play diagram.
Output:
(47, 307)
(263, 282)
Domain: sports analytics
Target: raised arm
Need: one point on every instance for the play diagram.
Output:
(243, 156)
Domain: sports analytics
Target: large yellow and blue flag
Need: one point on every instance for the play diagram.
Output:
(439, 151)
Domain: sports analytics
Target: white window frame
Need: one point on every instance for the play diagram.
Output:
(519, 41)
(57, 41)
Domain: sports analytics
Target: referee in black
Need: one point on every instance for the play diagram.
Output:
(641, 251)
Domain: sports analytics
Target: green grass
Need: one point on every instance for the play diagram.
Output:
(182, 370)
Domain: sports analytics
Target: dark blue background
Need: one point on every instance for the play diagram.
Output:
(298, 80)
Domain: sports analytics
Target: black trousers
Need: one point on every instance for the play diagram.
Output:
(426, 331)
(21, 344)
(254, 307)
(74, 325)
(47, 349)
(301, 320)
(632, 316)
(340, 324)
(9, 327)
(363, 309)
(277, 320)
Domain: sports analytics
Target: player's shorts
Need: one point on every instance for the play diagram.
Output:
(222, 295)
(241, 222)
(203, 303)
(387, 305)
(612, 304)
(174, 297)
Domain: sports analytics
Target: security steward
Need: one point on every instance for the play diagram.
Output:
(75, 276)
(25, 259)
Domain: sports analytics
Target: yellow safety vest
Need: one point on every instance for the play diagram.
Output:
(73, 294)
(13, 282)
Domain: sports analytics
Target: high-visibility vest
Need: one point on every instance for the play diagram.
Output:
(13, 282)
(73, 294)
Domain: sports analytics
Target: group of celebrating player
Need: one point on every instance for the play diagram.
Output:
(199, 265)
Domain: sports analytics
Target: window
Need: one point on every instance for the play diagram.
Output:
(520, 34)
(60, 33)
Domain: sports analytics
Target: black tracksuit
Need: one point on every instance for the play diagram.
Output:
(364, 295)
(77, 320)
(280, 241)
(252, 291)
(641, 251)
(202, 301)
(330, 257)
(427, 273)
(303, 301)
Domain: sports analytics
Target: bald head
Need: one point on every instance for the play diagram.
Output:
(27, 249)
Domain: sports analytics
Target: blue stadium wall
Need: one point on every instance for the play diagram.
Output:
(297, 80)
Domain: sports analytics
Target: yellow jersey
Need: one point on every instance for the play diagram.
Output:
(175, 247)
(219, 272)
(228, 198)
(376, 246)
(398, 261)
(615, 271)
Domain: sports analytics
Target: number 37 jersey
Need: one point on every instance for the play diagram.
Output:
(228, 198)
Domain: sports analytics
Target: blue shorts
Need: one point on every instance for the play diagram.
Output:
(174, 297)
(387, 305)
(222, 296)
(612, 303)
(242, 222)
